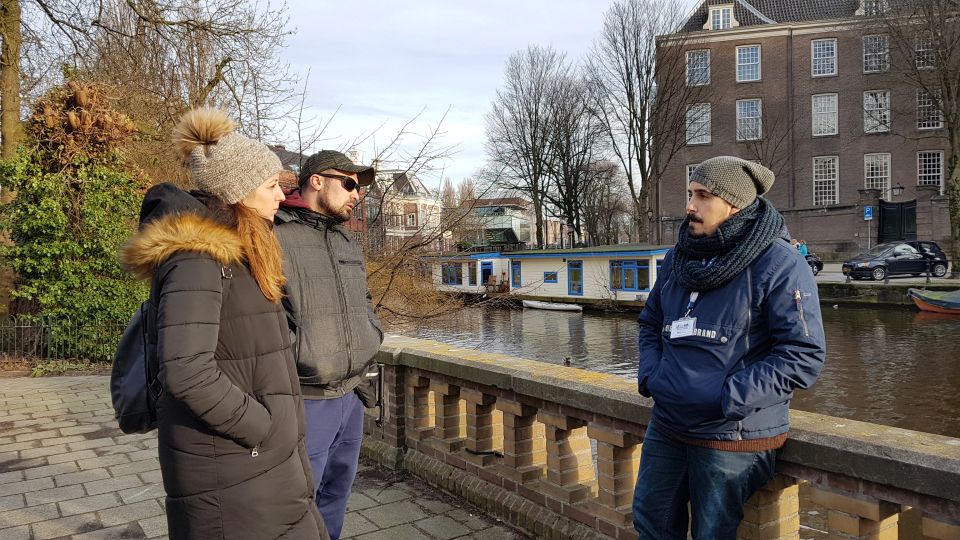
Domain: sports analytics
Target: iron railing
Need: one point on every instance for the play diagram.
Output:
(57, 339)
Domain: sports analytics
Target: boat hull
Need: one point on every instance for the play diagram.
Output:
(933, 305)
(552, 306)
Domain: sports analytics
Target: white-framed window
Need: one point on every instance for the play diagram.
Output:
(876, 111)
(876, 54)
(826, 179)
(930, 168)
(749, 119)
(824, 114)
(876, 172)
(929, 115)
(698, 123)
(748, 63)
(823, 57)
(872, 8)
(721, 18)
(412, 219)
(925, 51)
(698, 67)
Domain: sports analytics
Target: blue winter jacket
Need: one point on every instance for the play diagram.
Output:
(756, 339)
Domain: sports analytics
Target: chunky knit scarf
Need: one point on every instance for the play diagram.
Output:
(705, 263)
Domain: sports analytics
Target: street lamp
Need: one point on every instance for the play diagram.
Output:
(650, 215)
(896, 190)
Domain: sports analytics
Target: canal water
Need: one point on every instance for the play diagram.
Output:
(896, 367)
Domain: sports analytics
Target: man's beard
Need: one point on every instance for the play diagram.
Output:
(341, 215)
(691, 218)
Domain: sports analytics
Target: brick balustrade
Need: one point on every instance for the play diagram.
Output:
(555, 450)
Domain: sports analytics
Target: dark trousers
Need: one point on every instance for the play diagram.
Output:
(334, 432)
(715, 483)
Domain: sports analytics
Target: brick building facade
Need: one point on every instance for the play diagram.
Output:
(811, 89)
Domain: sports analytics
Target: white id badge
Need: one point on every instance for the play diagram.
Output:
(683, 327)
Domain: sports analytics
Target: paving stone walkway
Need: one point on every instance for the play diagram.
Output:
(66, 471)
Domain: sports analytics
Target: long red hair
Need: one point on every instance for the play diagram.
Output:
(262, 250)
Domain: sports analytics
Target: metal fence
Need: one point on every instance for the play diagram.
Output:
(50, 339)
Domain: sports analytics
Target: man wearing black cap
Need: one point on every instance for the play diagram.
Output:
(335, 331)
(730, 329)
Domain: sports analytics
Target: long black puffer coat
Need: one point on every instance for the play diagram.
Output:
(231, 421)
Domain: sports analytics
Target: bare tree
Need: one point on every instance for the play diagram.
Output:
(519, 130)
(466, 190)
(642, 94)
(771, 140)
(448, 196)
(577, 136)
(162, 55)
(605, 205)
(924, 40)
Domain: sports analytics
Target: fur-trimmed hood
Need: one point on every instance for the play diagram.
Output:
(163, 237)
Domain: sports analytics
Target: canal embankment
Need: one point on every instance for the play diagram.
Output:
(893, 294)
(833, 286)
(876, 293)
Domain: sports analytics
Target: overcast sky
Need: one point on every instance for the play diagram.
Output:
(382, 62)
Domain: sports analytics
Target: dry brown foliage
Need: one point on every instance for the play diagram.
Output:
(402, 289)
(76, 119)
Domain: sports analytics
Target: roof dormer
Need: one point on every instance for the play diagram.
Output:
(872, 8)
(721, 18)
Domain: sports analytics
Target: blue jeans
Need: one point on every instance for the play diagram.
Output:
(716, 483)
(334, 433)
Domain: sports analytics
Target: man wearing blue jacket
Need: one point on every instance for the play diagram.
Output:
(730, 329)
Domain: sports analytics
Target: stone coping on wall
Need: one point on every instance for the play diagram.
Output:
(875, 294)
(889, 458)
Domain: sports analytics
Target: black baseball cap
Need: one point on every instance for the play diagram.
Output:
(331, 159)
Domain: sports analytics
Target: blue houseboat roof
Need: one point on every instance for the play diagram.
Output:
(618, 250)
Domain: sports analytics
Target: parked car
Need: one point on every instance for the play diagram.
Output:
(896, 258)
(816, 265)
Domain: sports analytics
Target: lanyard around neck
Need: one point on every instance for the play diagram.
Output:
(693, 300)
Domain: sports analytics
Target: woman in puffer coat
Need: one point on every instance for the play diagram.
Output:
(230, 420)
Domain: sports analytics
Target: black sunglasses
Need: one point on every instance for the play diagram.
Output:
(348, 183)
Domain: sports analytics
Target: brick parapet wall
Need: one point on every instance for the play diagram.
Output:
(555, 450)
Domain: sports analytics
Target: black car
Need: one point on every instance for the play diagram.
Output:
(892, 258)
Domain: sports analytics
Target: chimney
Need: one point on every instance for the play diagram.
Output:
(355, 155)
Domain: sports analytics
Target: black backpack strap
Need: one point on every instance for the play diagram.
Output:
(149, 314)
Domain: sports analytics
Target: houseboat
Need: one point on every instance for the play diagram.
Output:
(622, 273)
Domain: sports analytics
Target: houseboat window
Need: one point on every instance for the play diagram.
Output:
(452, 273)
(473, 272)
(549, 277)
(575, 278)
(515, 274)
(629, 276)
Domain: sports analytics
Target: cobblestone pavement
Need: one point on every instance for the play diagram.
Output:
(66, 471)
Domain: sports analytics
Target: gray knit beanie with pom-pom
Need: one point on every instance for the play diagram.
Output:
(223, 162)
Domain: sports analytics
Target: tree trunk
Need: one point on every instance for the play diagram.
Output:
(10, 128)
(538, 210)
(639, 219)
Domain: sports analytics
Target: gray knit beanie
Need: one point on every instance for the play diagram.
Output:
(734, 180)
(223, 162)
